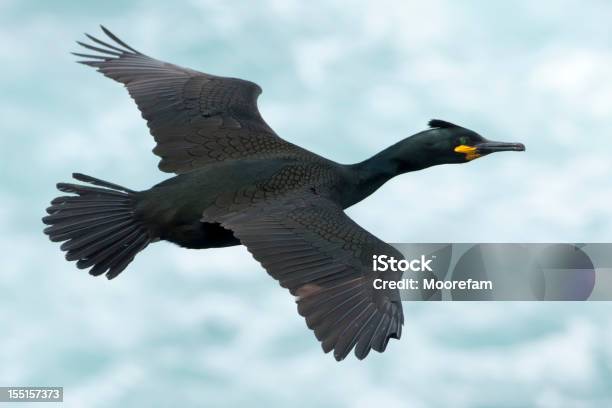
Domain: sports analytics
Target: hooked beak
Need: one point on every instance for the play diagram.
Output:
(492, 147)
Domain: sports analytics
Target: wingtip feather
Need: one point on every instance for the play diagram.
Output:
(116, 39)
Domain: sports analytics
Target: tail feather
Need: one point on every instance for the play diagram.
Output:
(84, 205)
(71, 212)
(92, 180)
(98, 225)
(81, 200)
(90, 191)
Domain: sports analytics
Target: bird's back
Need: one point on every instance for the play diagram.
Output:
(231, 186)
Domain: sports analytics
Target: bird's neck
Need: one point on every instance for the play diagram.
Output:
(369, 175)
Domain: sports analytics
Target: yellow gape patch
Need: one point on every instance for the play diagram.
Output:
(470, 152)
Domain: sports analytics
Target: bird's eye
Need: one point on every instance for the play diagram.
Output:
(463, 140)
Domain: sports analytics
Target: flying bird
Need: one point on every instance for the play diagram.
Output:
(238, 183)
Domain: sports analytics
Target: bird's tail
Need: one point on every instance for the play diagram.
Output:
(98, 225)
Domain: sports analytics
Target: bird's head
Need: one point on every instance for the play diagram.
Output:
(443, 143)
(446, 143)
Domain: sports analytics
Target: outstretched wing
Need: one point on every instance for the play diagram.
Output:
(195, 118)
(324, 258)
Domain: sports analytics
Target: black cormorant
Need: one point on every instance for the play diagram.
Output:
(237, 182)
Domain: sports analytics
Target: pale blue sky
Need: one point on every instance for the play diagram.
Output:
(344, 79)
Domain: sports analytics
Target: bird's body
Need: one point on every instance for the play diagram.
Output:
(175, 207)
(236, 183)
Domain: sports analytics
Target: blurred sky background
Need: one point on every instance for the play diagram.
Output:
(344, 79)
